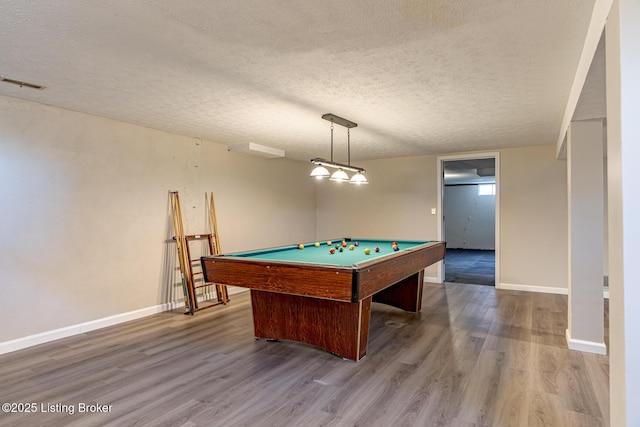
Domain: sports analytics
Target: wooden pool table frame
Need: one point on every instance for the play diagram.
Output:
(325, 305)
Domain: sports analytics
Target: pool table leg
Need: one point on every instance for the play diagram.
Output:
(406, 294)
(341, 328)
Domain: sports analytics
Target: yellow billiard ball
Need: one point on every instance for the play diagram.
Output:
(300, 246)
(367, 251)
(317, 244)
(351, 247)
(329, 243)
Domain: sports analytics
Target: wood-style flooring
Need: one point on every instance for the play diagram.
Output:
(475, 356)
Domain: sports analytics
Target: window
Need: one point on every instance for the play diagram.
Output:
(486, 190)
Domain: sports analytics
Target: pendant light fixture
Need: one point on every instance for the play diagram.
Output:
(321, 171)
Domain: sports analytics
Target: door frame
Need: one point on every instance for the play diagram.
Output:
(440, 171)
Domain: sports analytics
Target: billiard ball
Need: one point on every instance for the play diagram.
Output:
(394, 244)
(367, 251)
(332, 251)
(344, 244)
(329, 243)
(351, 247)
(340, 249)
(357, 243)
(377, 249)
(316, 244)
(395, 248)
(338, 246)
(300, 246)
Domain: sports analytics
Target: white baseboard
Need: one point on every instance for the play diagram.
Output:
(531, 288)
(586, 346)
(431, 280)
(44, 337)
(541, 289)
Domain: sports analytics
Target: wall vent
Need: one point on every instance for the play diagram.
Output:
(21, 83)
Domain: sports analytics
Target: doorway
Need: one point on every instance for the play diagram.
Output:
(468, 207)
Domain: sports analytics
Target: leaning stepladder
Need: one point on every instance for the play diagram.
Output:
(194, 286)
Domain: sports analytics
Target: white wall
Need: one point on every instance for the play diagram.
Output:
(398, 203)
(469, 218)
(585, 148)
(84, 213)
(623, 153)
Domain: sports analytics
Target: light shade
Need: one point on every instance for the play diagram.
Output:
(340, 176)
(358, 179)
(320, 172)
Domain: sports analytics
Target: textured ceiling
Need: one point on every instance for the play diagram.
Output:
(419, 77)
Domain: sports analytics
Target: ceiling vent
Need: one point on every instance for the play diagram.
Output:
(258, 150)
(20, 83)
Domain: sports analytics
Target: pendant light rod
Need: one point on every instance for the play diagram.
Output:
(339, 120)
(348, 147)
(332, 140)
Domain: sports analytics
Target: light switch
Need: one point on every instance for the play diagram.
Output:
(433, 211)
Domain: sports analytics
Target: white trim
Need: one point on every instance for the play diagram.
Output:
(599, 17)
(440, 232)
(532, 288)
(540, 289)
(56, 334)
(586, 346)
(429, 279)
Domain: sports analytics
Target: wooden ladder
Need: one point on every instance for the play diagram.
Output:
(197, 277)
(187, 264)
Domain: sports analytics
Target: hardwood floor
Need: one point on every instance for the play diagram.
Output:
(474, 357)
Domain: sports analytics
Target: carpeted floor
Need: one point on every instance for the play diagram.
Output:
(470, 266)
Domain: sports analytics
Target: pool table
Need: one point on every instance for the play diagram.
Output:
(312, 296)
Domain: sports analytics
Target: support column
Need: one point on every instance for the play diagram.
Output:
(623, 166)
(585, 154)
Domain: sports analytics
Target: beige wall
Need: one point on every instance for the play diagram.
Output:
(395, 204)
(533, 215)
(85, 219)
(398, 203)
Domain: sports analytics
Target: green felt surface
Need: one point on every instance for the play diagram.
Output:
(321, 255)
